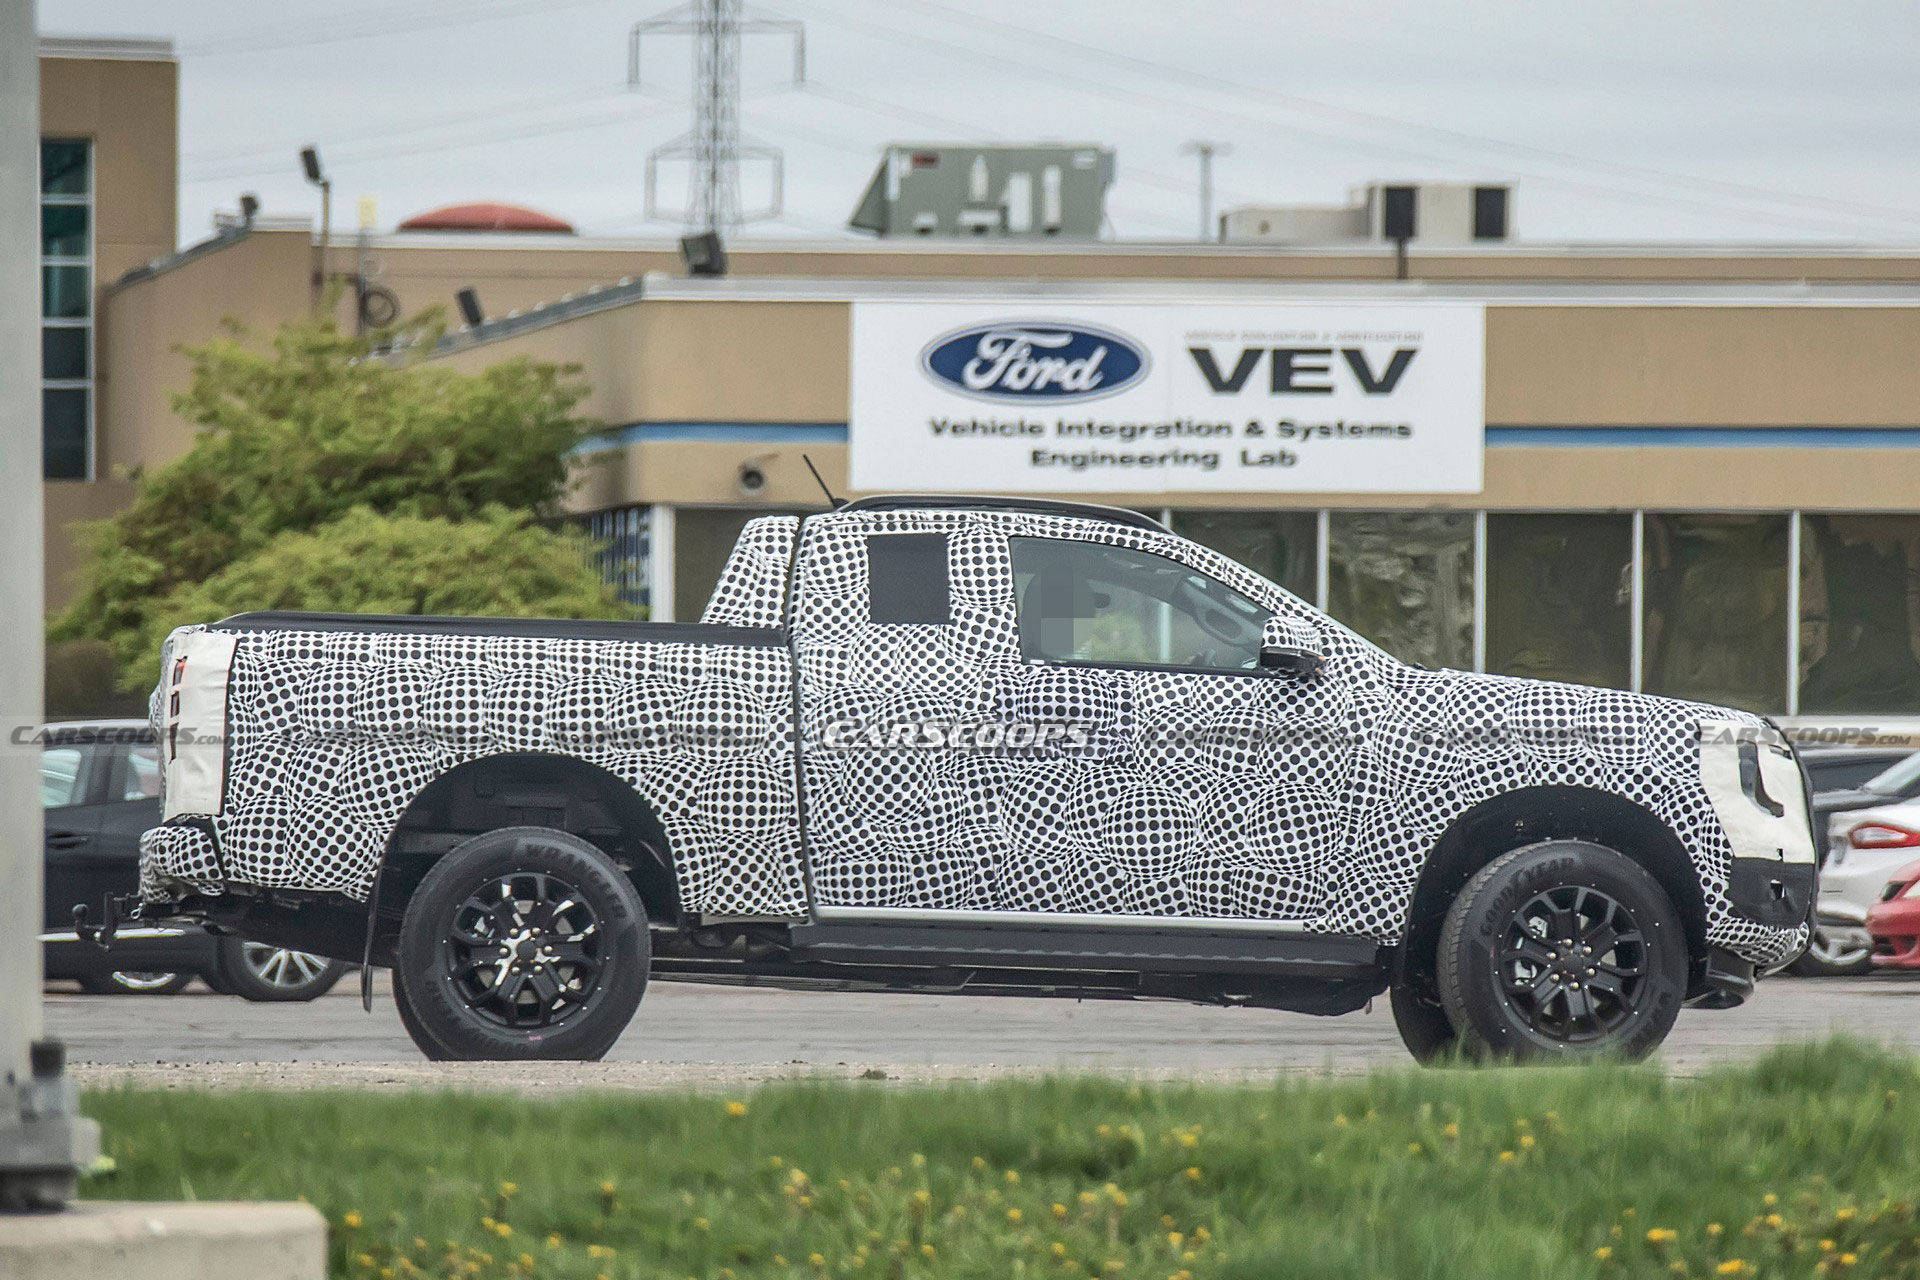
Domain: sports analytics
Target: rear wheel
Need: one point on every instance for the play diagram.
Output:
(1562, 950)
(521, 943)
(134, 982)
(263, 973)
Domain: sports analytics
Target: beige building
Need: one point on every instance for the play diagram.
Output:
(1701, 465)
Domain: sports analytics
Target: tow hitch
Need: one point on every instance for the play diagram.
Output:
(102, 934)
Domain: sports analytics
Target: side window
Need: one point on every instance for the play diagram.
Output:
(142, 778)
(63, 776)
(1090, 602)
(907, 578)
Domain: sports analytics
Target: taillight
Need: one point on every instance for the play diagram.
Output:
(1883, 835)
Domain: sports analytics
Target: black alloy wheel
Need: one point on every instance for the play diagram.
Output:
(525, 950)
(1562, 950)
(521, 943)
(1574, 961)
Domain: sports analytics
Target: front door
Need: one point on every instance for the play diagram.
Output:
(1009, 712)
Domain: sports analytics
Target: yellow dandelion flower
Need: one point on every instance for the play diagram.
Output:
(1189, 1140)
(1603, 1252)
(779, 1259)
(1341, 1121)
(979, 1163)
(1116, 1195)
(1774, 1220)
(1526, 1142)
(1731, 1267)
(502, 1229)
(818, 1260)
(1826, 1246)
(1013, 1176)
(1848, 1259)
(1059, 1210)
(1553, 1117)
(526, 1260)
(351, 1220)
(927, 1252)
(553, 1240)
(1769, 1199)
(509, 1189)
(1201, 1234)
(1087, 1197)
(736, 1109)
(1166, 1220)
(1193, 1173)
(607, 1188)
(1714, 1228)
(918, 1161)
(922, 1197)
(774, 1162)
(1451, 1131)
(1414, 1148)
(1844, 1214)
(1175, 1239)
(599, 1251)
(1661, 1235)
(1059, 1250)
(364, 1259)
(1103, 1130)
(1014, 1216)
(1189, 1256)
(1506, 1157)
(701, 1224)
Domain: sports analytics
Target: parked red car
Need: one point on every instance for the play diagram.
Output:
(1894, 922)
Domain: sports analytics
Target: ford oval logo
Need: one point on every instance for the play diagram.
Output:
(1035, 360)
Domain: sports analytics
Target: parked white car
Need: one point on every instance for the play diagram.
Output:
(1865, 847)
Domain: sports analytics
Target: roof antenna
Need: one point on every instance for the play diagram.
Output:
(833, 502)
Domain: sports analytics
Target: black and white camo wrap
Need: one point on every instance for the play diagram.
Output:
(1315, 801)
(1309, 801)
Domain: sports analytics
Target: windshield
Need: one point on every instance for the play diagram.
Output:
(1897, 779)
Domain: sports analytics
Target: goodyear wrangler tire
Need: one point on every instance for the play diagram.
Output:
(522, 943)
(1562, 950)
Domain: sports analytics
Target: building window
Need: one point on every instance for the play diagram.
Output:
(1281, 546)
(1404, 580)
(1560, 597)
(1859, 614)
(703, 538)
(1715, 593)
(1489, 213)
(66, 309)
(622, 552)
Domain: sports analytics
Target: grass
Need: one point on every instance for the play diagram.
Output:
(1804, 1164)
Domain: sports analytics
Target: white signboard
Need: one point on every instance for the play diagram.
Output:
(1181, 397)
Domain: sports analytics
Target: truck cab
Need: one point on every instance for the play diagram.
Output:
(982, 745)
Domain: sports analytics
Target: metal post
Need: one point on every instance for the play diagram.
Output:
(1480, 590)
(1794, 535)
(1636, 592)
(43, 1142)
(660, 553)
(1207, 151)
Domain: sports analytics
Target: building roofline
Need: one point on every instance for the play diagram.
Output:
(867, 245)
(115, 48)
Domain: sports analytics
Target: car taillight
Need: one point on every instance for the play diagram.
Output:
(1882, 835)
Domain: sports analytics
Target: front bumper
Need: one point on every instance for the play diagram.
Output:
(1894, 926)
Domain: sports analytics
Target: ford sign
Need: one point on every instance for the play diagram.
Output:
(1035, 360)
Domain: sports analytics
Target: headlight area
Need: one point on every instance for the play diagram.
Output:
(1893, 923)
(1759, 794)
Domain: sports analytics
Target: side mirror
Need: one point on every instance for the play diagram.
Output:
(1290, 646)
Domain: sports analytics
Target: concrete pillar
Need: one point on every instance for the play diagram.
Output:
(42, 1139)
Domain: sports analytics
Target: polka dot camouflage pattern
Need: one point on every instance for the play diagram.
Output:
(1313, 801)
(333, 734)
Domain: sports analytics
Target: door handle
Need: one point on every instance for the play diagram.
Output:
(67, 839)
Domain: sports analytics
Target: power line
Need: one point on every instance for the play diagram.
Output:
(1058, 76)
(1265, 94)
(363, 24)
(457, 143)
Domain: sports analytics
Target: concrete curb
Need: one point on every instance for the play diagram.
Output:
(215, 1241)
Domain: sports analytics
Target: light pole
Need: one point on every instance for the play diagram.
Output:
(1207, 151)
(43, 1141)
(310, 161)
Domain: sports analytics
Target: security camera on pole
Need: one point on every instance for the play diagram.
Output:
(43, 1139)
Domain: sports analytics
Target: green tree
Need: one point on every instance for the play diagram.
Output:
(299, 432)
(497, 562)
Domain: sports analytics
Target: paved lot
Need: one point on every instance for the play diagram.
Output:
(721, 1037)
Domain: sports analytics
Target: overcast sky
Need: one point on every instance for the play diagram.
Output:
(1633, 120)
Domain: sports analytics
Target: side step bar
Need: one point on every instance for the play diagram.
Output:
(1082, 949)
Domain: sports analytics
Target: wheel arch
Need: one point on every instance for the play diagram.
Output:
(1527, 816)
(517, 789)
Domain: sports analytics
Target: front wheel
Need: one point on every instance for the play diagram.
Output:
(1562, 950)
(521, 943)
